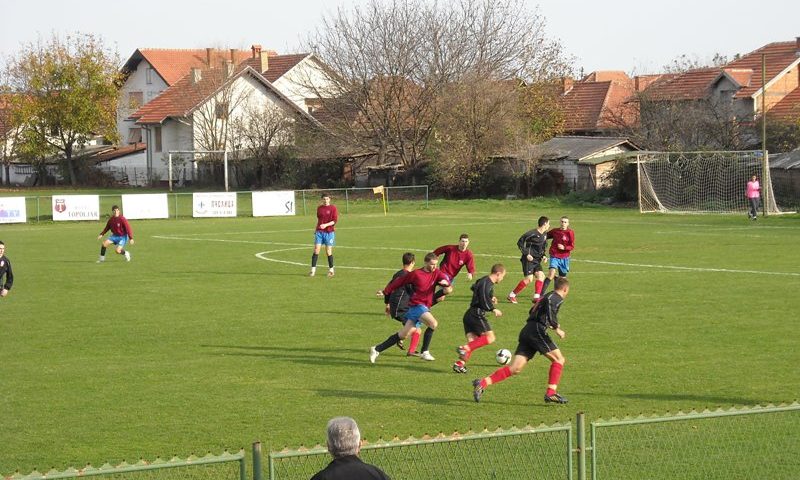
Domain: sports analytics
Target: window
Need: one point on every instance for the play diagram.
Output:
(149, 75)
(157, 139)
(135, 100)
(221, 110)
(135, 135)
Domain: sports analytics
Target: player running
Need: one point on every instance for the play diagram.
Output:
(121, 233)
(455, 258)
(476, 326)
(532, 246)
(561, 246)
(534, 338)
(397, 302)
(424, 281)
(324, 234)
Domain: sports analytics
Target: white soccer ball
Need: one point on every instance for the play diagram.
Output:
(503, 356)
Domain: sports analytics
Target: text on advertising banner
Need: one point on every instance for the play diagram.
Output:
(214, 204)
(12, 210)
(270, 204)
(76, 207)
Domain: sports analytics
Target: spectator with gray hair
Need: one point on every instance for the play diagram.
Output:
(344, 443)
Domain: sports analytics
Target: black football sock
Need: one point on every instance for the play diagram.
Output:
(102, 251)
(389, 342)
(122, 252)
(545, 284)
(426, 339)
(330, 261)
(314, 260)
(439, 294)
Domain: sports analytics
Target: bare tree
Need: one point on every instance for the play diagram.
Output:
(263, 135)
(394, 60)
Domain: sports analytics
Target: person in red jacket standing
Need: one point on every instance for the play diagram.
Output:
(327, 216)
(561, 246)
(121, 233)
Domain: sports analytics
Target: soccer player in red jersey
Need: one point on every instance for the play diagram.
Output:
(532, 246)
(476, 326)
(425, 280)
(327, 216)
(121, 232)
(534, 338)
(455, 258)
(561, 246)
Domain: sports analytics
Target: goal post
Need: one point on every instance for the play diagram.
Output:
(702, 182)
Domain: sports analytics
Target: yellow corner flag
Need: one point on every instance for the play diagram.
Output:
(379, 190)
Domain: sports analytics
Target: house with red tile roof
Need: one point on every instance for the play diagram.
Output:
(202, 107)
(149, 72)
(740, 85)
(596, 104)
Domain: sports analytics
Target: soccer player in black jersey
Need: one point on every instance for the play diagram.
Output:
(397, 302)
(5, 270)
(532, 246)
(476, 327)
(533, 338)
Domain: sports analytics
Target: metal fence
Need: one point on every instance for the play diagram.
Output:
(209, 467)
(739, 443)
(746, 443)
(348, 200)
(530, 452)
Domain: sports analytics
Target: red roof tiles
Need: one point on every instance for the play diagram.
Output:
(596, 105)
(691, 85)
(778, 55)
(277, 65)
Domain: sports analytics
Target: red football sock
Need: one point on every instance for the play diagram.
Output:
(538, 288)
(520, 286)
(412, 347)
(555, 375)
(479, 342)
(500, 374)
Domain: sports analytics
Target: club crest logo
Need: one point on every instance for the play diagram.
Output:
(61, 205)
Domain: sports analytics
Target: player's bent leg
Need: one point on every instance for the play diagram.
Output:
(518, 363)
(554, 377)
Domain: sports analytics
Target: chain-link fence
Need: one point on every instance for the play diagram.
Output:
(209, 467)
(348, 200)
(747, 443)
(530, 452)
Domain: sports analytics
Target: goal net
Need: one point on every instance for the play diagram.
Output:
(701, 182)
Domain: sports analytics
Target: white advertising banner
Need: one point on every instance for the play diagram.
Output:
(270, 204)
(215, 204)
(12, 210)
(76, 207)
(149, 205)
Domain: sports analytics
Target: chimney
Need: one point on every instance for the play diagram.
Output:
(264, 61)
(566, 84)
(797, 46)
(233, 55)
(256, 49)
(637, 87)
(228, 68)
(208, 56)
(197, 75)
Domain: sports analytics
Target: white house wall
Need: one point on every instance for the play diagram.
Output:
(295, 83)
(137, 82)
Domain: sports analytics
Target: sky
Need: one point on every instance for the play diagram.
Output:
(635, 36)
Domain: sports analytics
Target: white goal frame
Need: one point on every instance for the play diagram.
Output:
(702, 182)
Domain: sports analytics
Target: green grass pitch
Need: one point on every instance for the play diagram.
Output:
(214, 336)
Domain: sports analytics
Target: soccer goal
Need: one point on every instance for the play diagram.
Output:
(702, 182)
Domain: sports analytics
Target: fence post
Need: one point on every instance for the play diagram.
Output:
(304, 202)
(37, 209)
(257, 473)
(581, 432)
(242, 466)
(426, 196)
(346, 202)
(387, 197)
